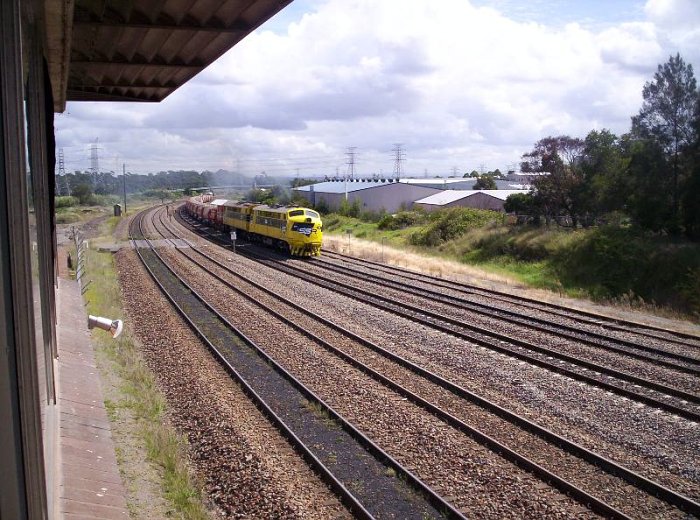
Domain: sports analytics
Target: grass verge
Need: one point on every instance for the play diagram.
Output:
(611, 265)
(139, 394)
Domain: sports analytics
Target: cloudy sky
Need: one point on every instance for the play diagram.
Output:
(461, 84)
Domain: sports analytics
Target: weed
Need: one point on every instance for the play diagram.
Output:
(163, 446)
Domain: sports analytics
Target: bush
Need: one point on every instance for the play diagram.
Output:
(350, 209)
(322, 207)
(67, 217)
(401, 220)
(613, 262)
(65, 202)
(372, 216)
(451, 223)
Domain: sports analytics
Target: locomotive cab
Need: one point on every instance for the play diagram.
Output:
(304, 232)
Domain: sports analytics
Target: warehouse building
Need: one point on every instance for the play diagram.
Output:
(387, 195)
(478, 199)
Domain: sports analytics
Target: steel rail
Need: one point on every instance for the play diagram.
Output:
(566, 312)
(378, 453)
(539, 324)
(566, 445)
(683, 412)
(347, 290)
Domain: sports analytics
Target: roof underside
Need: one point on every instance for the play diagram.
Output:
(128, 50)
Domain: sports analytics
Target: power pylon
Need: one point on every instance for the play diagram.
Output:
(399, 156)
(351, 161)
(94, 160)
(62, 173)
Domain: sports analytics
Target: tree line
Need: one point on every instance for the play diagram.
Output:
(83, 185)
(648, 177)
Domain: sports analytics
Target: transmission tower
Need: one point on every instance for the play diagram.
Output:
(399, 156)
(94, 160)
(351, 161)
(62, 173)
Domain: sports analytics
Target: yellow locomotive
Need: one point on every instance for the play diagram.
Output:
(290, 228)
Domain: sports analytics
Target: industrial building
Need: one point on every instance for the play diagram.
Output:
(388, 195)
(391, 195)
(478, 199)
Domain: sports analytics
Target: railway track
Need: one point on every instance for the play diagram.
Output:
(582, 317)
(657, 356)
(650, 393)
(336, 450)
(544, 445)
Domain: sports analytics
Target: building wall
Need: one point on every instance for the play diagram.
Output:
(479, 200)
(388, 197)
(482, 200)
(27, 264)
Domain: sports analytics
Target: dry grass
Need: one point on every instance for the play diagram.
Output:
(416, 262)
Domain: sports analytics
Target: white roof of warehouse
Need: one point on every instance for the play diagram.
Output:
(340, 186)
(448, 196)
(219, 202)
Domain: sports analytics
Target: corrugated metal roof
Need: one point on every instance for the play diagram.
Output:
(142, 51)
(340, 186)
(363, 184)
(449, 196)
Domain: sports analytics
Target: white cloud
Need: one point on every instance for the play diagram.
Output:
(457, 84)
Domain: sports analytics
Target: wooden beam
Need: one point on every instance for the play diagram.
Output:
(236, 28)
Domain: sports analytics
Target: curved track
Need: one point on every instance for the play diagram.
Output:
(556, 442)
(649, 392)
(277, 393)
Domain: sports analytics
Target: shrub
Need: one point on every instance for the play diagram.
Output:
(615, 261)
(451, 223)
(401, 220)
(322, 207)
(66, 202)
(350, 209)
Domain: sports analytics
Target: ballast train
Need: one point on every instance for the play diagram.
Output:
(296, 230)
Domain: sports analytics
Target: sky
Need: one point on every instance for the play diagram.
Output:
(461, 85)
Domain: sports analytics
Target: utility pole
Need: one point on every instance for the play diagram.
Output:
(454, 171)
(351, 161)
(124, 179)
(399, 156)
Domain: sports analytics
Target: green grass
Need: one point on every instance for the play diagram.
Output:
(607, 264)
(140, 394)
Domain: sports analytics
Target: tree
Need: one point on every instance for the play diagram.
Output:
(650, 199)
(485, 182)
(522, 204)
(603, 167)
(666, 118)
(83, 192)
(556, 192)
(690, 203)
